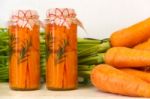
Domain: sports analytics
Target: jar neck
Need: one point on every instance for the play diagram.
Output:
(25, 23)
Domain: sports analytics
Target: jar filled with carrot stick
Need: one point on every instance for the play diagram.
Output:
(61, 45)
(24, 63)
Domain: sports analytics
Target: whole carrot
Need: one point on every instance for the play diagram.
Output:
(143, 46)
(141, 74)
(109, 79)
(132, 35)
(127, 57)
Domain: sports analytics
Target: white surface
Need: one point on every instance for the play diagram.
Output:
(100, 17)
(87, 92)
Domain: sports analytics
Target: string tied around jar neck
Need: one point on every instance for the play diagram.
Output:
(62, 17)
(24, 18)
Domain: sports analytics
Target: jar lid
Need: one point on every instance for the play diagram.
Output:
(24, 14)
(62, 17)
(24, 18)
(61, 12)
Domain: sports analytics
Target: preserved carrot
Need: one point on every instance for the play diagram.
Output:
(24, 65)
(50, 70)
(71, 66)
(71, 60)
(61, 42)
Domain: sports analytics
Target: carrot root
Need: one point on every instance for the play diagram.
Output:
(127, 57)
(109, 79)
(131, 36)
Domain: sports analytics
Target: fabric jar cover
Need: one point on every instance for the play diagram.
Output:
(62, 17)
(24, 18)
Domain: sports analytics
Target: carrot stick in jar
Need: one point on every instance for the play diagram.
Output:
(34, 59)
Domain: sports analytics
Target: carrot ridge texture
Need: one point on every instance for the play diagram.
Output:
(132, 35)
(127, 57)
(143, 46)
(109, 79)
(141, 74)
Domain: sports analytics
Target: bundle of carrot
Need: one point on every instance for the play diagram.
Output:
(90, 53)
(4, 51)
(126, 63)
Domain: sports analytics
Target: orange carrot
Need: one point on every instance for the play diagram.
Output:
(109, 79)
(50, 71)
(71, 70)
(143, 46)
(13, 80)
(127, 57)
(34, 59)
(70, 81)
(59, 75)
(132, 35)
(141, 74)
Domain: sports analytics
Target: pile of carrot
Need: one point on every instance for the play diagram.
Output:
(125, 62)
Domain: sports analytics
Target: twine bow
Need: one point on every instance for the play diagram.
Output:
(63, 17)
(24, 18)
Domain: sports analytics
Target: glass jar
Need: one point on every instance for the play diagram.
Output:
(24, 63)
(61, 45)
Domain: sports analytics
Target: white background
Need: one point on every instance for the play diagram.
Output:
(100, 17)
